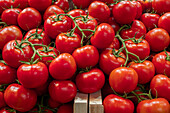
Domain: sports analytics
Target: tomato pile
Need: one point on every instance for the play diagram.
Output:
(50, 49)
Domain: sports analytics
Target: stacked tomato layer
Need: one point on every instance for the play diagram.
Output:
(49, 51)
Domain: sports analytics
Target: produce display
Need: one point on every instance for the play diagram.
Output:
(52, 49)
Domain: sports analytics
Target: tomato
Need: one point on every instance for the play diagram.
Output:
(142, 2)
(99, 10)
(9, 16)
(53, 104)
(90, 82)
(50, 11)
(115, 44)
(115, 104)
(9, 33)
(123, 79)
(37, 36)
(159, 105)
(62, 91)
(42, 89)
(53, 26)
(114, 25)
(161, 6)
(15, 92)
(145, 71)
(76, 12)
(5, 4)
(82, 3)
(148, 5)
(29, 18)
(7, 74)
(66, 108)
(150, 20)
(124, 12)
(108, 61)
(164, 22)
(137, 29)
(160, 86)
(103, 36)
(43, 110)
(139, 9)
(161, 63)
(21, 3)
(2, 101)
(63, 67)
(86, 56)
(67, 44)
(63, 4)
(158, 39)
(5, 110)
(40, 5)
(10, 53)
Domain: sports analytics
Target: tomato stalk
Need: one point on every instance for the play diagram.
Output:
(167, 56)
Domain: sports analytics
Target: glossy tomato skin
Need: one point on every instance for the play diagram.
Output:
(62, 91)
(158, 39)
(7, 74)
(145, 70)
(150, 20)
(55, 27)
(5, 110)
(86, 56)
(103, 36)
(161, 6)
(2, 101)
(9, 16)
(108, 61)
(29, 18)
(63, 4)
(160, 84)
(76, 12)
(162, 66)
(159, 105)
(124, 12)
(82, 3)
(123, 79)
(63, 67)
(66, 108)
(164, 22)
(90, 82)
(9, 33)
(115, 44)
(22, 4)
(10, 53)
(115, 104)
(139, 9)
(15, 92)
(113, 23)
(5, 4)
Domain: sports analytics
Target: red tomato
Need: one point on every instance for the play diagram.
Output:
(159, 105)
(10, 53)
(5, 4)
(150, 20)
(115, 44)
(99, 10)
(145, 71)
(160, 84)
(103, 36)
(139, 9)
(21, 3)
(86, 56)
(76, 12)
(53, 104)
(114, 25)
(90, 82)
(7, 74)
(63, 4)
(67, 44)
(158, 39)
(164, 22)
(108, 61)
(161, 63)
(5, 110)
(9, 33)
(123, 79)
(16, 96)
(63, 67)
(124, 12)
(9, 16)
(40, 5)
(53, 26)
(2, 101)
(148, 5)
(106, 90)
(42, 89)
(115, 104)
(66, 108)
(82, 3)
(29, 18)
(62, 91)
(161, 6)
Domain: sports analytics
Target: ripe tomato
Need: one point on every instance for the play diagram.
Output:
(63, 67)
(115, 104)
(123, 79)
(148, 5)
(66, 108)
(53, 104)
(86, 56)
(5, 4)
(124, 12)
(22, 4)
(158, 39)
(15, 92)
(62, 91)
(90, 82)
(162, 65)
(9, 33)
(9, 16)
(5, 110)
(42, 89)
(10, 53)
(63, 4)
(115, 44)
(2, 101)
(159, 105)
(29, 18)
(76, 12)
(145, 71)
(114, 25)
(139, 9)
(164, 22)
(7, 74)
(103, 36)
(82, 3)
(161, 6)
